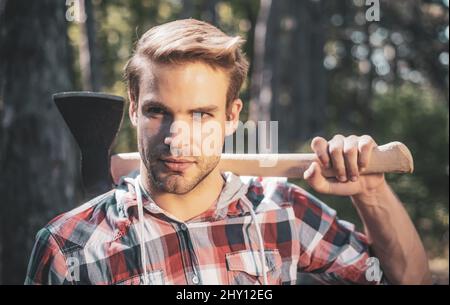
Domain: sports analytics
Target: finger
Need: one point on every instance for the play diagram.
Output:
(320, 147)
(343, 188)
(335, 149)
(313, 176)
(365, 147)
(351, 157)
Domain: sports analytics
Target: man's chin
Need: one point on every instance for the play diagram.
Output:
(179, 182)
(176, 183)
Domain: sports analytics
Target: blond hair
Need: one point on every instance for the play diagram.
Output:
(189, 40)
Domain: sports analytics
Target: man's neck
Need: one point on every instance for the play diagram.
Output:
(189, 205)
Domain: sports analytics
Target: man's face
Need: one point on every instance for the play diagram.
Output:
(179, 95)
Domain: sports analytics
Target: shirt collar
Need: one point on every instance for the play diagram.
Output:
(227, 204)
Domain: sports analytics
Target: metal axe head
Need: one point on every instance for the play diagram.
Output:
(94, 120)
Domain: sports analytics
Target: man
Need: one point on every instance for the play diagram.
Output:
(182, 221)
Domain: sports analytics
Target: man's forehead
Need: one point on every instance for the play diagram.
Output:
(193, 84)
(148, 79)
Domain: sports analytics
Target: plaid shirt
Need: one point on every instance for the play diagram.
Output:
(97, 243)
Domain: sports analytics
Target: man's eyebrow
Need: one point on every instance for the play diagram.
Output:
(155, 103)
(209, 108)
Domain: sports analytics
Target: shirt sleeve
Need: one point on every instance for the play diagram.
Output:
(330, 249)
(47, 265)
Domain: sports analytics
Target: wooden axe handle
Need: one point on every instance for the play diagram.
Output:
(393, 157)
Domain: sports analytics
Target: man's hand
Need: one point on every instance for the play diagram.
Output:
(347, 156)
(389, 229)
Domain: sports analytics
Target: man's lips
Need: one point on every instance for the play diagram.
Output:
(176, 160)
(176, 164)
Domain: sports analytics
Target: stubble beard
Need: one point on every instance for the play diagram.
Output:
(164, 181)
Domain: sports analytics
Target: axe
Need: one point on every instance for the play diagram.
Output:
(94, 120)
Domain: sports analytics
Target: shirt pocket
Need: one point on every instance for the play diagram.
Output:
(154, 278)
(245, 267)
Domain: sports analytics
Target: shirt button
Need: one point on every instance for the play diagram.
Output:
(183, 227)
(195, 279)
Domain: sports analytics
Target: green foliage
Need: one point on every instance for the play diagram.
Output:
(416, 117)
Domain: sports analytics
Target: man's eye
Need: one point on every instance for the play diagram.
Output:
(155, 111)
(202, 115)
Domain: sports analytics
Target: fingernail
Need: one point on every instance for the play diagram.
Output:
(342, 178)
(354, 178)
(307, 174)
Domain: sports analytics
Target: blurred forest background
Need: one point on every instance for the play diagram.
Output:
(318, 67)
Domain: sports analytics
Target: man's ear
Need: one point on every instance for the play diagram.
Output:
(132, 108)
(233, 111)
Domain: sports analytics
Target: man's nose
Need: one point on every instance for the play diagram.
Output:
(179, 135)
(180, 125)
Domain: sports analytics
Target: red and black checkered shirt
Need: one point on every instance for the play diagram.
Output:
(97, 243)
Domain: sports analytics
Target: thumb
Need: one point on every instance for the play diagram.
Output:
(313, 176)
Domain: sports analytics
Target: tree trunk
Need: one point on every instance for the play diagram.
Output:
(38, 157)
(188, 9)
(288, 78)
(88, 48)
(263, 62)
(307, 73)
